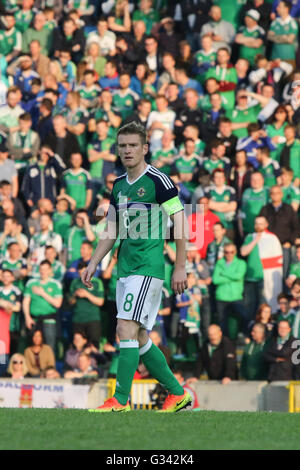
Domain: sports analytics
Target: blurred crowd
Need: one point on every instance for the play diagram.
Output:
(217, 86)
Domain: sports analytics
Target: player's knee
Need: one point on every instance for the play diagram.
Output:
(143, 337)
(127, 329)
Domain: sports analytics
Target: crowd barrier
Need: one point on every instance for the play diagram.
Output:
(235, 396)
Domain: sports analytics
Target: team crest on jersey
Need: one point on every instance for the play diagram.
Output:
(12, 297)
(141, 192)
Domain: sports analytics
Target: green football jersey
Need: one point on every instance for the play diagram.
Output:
(249, 53)
(10, 40)
(76, 185)
(188, 165)
(255, 270)
(272, 132)
(224, 74)
(73, 240)
(227, 195)
(12, 295)
(96, 168)
(61, 222)
(243, 115)
(295, 269)
(290, 194)
(125, 102)
(210, 165)
(58, 271)
(294, 160)
(149, 18)
(252, 203)
(165, 154)
(270, 172)
(284, 51)
(136, 207)
(84, 310)
(38, 305)
(15, 266)
(23, 20)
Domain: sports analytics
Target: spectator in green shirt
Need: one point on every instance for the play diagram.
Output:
(42, 298)
(283, 34)
(147, 14)
(291, 193)
(77, 183)
(228, 278)
(294, 272)
(86, 303)
(250, 37)
(289, 156)
(253, 366)
(39, 32)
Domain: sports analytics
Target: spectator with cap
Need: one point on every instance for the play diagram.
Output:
(250, 37)
(264, 9)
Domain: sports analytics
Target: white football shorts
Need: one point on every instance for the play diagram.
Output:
(138, 298)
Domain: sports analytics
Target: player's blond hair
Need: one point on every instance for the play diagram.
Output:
(134, 128)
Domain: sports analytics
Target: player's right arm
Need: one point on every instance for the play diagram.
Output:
(105, 244)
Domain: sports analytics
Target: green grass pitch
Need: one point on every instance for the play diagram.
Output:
(77, 429)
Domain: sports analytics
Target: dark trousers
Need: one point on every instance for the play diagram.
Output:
(49, 330)
(253, 297)
(112, 312)
(286, 264)
(92, 330)
(205, 316)
(236, 312)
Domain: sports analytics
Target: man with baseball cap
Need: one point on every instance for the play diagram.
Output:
(251, 37)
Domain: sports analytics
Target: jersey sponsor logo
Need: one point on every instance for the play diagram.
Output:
(141, 192)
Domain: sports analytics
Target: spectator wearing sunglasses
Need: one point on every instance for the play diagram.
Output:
(17, 367)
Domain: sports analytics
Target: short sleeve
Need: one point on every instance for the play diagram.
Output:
(166, 193)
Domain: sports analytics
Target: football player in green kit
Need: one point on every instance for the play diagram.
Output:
(141, 190)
